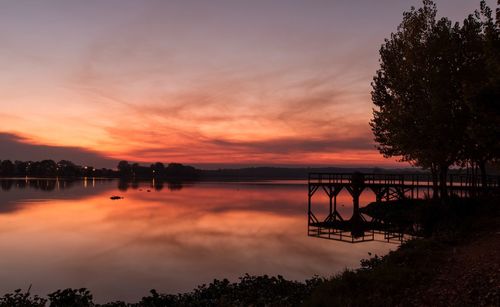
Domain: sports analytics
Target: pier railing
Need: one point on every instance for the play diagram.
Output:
(410, 180)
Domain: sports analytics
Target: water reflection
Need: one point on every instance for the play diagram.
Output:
(46, 184)
(169, 238)
(364, 225)
(156, 183)
(15, 194)
(362, 230)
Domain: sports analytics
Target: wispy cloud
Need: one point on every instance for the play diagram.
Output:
(295, 145)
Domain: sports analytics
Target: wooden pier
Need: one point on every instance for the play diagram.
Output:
(385, 187)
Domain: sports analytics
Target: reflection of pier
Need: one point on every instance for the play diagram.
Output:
(385, 187)
(363, 231)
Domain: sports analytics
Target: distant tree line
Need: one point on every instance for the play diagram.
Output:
(68, 169)
(157, 170)
(171, 173)
(50, 168)
(437, 93)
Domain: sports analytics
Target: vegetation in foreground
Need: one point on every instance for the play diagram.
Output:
(248, 291)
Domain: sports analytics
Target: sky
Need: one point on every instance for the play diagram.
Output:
(206, 83)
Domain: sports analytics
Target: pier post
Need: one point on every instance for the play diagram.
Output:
(379, 192)
(332, 193)
(330, 196)
(309, 209)
(356, 187)
(312, 188)
(335, 201)
(355, 202)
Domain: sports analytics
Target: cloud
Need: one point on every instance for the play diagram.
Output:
(297, 145)
(15, 147)
(302, 150)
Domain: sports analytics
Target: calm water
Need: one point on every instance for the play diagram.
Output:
(56, 234)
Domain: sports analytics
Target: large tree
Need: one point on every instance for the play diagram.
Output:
(124, 168)
(480, 53)
(419, 115)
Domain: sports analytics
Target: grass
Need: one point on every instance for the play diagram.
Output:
(382, 281)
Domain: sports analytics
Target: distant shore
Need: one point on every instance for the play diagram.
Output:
(181, 172)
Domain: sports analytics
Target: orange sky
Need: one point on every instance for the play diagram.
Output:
(286, 82)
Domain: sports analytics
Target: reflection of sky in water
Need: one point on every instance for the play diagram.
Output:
(171, 240)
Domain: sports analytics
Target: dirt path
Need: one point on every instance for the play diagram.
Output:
(470, 275)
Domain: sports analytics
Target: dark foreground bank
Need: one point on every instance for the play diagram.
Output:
(458, 264)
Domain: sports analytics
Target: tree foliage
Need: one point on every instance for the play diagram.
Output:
(481, 83)
(436, 92)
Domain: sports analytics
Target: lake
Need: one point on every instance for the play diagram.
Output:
(57, 234)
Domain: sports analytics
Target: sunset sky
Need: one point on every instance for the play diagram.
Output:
(197, 82)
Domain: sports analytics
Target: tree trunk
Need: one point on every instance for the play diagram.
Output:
(471, 179)
(435, 185)
(482, 168)
(443, 188)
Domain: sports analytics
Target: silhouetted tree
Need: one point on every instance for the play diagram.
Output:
(68, 169)
(88, 171)
(7, 168)
(177, 170)
(21, 168)
(420, 115)
(141, 171)
(481, 85)
(498, 14)
(47, 168)
(135, 169)
(124, 168)
(158, 169)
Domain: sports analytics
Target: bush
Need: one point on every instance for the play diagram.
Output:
(20, 299)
